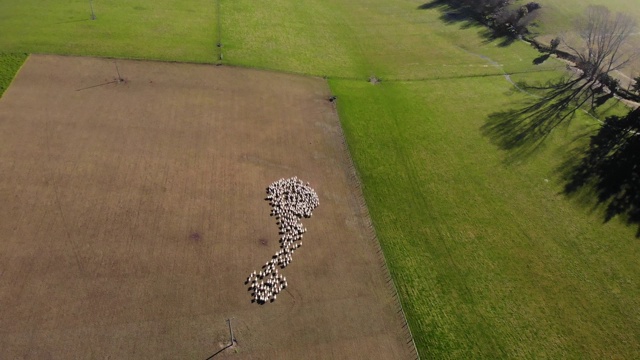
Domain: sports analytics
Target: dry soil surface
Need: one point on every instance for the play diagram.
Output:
(132, 209)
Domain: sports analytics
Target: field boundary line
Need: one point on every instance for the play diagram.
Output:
(354, 182)
(219, 32)
(298, 73)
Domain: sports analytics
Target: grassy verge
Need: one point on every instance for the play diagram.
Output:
(9, 65)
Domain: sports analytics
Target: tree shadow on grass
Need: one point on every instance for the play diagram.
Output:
(523, 130)
(452, 12)
(541, 59)
(603, 174)
(606, 174)
(490, 35)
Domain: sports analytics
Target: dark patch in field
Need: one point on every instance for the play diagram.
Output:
(605, 174)
(540, 59)
(459, 13)
(263, 242)
(195, 236)
(454, 16)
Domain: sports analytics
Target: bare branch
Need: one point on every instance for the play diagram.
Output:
(603, 36)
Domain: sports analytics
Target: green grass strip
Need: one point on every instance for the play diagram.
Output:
(9, 66)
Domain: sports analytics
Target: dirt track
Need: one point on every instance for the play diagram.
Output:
(131, 212)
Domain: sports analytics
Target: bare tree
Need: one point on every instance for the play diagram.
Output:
(603, 35)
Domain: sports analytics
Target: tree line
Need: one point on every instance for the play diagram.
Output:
(599, 50)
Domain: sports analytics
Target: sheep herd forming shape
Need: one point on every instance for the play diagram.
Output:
(290, 200)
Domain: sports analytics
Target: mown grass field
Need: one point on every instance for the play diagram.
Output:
(169, 30)
(490, 258)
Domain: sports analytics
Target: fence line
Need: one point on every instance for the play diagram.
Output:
(219, 31)
(366, 218)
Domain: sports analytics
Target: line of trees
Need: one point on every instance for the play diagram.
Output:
(600, 48)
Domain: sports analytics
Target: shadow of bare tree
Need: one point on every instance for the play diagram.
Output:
(219, 351)
(604, 174)
(541, 59)
(523, 130)
(607, 173)
(453, 12)
(434, 4)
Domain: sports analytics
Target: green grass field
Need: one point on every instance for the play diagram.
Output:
(491, 261)
(490, 258)
(173, 30)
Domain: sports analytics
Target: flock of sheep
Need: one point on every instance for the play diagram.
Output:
(291, 200)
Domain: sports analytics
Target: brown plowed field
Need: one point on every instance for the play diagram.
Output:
(131, 212)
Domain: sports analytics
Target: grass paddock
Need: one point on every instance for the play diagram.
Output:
(490, 258)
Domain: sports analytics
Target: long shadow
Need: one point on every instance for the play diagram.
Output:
(523, 130)
(434, 4)
(541, 59)
(490, 35)
(219, 351)
(98, 85)
(454, 12)
(607, 174)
